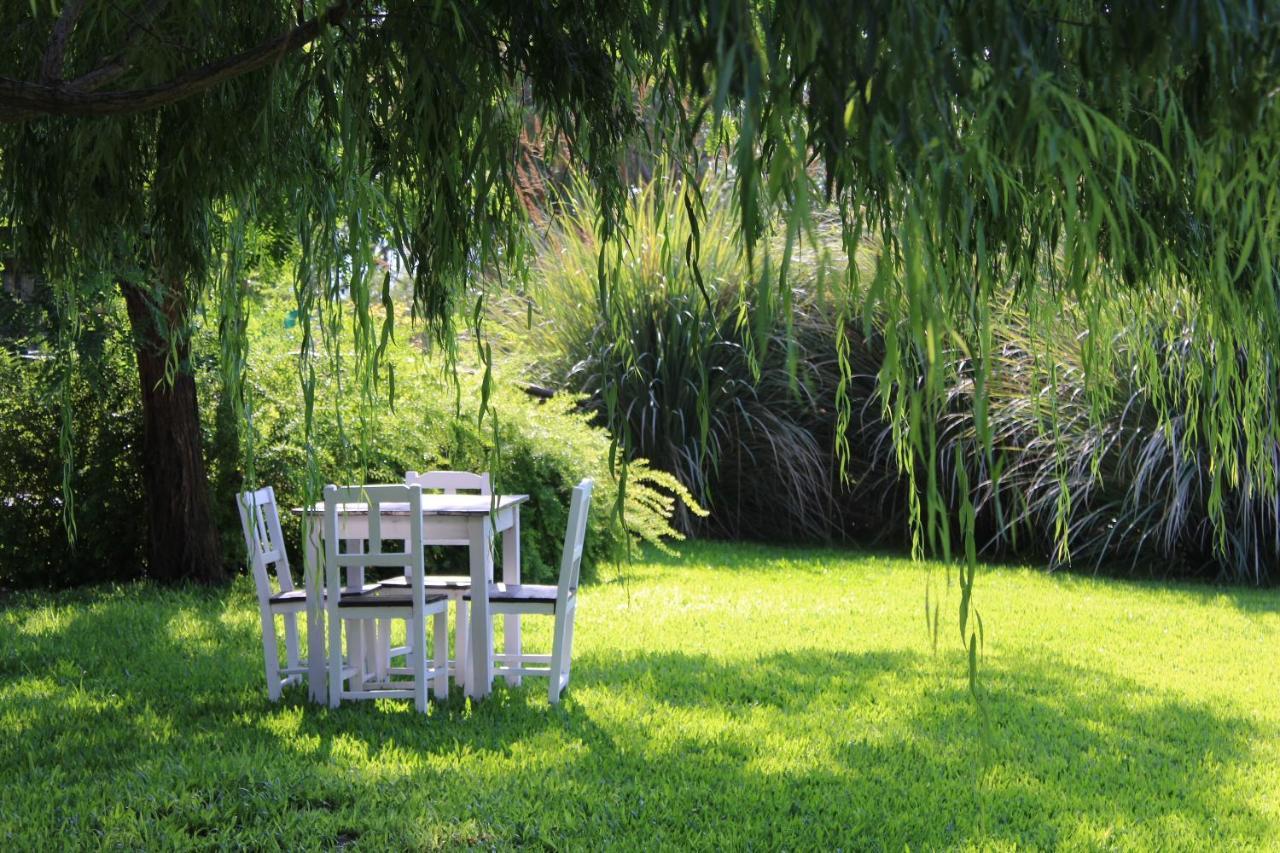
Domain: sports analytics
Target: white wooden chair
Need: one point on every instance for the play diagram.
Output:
(560, 601)
(453, 586)
(382, 602)
(260, 523)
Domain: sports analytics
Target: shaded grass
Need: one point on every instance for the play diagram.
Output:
(737, 697)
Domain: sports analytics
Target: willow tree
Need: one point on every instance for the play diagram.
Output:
(140, 142)
(1049, 152)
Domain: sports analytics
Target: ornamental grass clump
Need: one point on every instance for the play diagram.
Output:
(698, 368)
(704, 372)
(1124, 490)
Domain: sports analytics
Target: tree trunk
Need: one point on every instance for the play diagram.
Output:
(182, 538)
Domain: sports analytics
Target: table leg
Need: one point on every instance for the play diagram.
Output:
(480, 649)
(510, 576)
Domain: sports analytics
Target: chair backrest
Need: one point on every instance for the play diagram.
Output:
(260, 523)
(574, 537)
(450, 482)
(378, 499)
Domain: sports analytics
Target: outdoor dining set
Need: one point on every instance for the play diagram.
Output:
(386, 530)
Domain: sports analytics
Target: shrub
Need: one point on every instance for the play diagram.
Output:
(715, 381)
(542, 449)
(110, 544)
(539, 448)
(1140, 495)
(710, 383)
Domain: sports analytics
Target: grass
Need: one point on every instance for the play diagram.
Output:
(737, 697)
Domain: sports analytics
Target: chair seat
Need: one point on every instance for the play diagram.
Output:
(520, 592)
(450, 582)
(378, 595)
(290, 596)
(299, 596)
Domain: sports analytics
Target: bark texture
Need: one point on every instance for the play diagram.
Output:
(183, 543)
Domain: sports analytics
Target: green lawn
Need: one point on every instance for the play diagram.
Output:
(736, 697)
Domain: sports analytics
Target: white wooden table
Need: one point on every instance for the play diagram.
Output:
(474, 518)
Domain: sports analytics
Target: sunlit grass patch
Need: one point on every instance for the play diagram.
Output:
(734, 697)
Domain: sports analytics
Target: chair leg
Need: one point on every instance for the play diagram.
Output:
(418, 628)
(270, 654)
(441, 648)
(384, 626)
(557, 658)
(372, 656)
(568, 645)
(511, 644)
(382, 648)
(354, 629)
(291, 640)
(461, 624)
(335, 659)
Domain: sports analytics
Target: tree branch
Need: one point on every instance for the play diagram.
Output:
(51, 67)
(21, 100)
(118, 64)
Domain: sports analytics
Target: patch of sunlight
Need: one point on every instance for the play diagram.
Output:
(192, 629)
(244, 619)
(283, 721)
(776, 751)
(390, 764)
(153, 727)
(24, 702)
(79, 699)
(551, 751)
(1097, 832)
(349, 752)
(44, 621)
(286, 726)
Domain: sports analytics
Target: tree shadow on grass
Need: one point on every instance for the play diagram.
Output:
(1204, 593)
(100, 681)
(1252, 601)
(155, 704)
(830, 749)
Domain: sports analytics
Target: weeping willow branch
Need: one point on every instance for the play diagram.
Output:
(1067, 153)
(51, 68)
(118, 64)
(22, 100)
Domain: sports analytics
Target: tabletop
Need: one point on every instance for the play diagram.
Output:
(431, 505)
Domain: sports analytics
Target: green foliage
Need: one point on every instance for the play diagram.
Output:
(741, 697)
(1138, 482)
(1138, 489)
(1076, 153)
(546, 449)
(110, 541)
(1073, 151)
(706, 375)
(539, 448)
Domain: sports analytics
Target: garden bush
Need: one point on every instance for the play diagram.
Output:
(1099, 487)
(541, 448)
(106, 470)
(763, 460)
(1141, 496)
